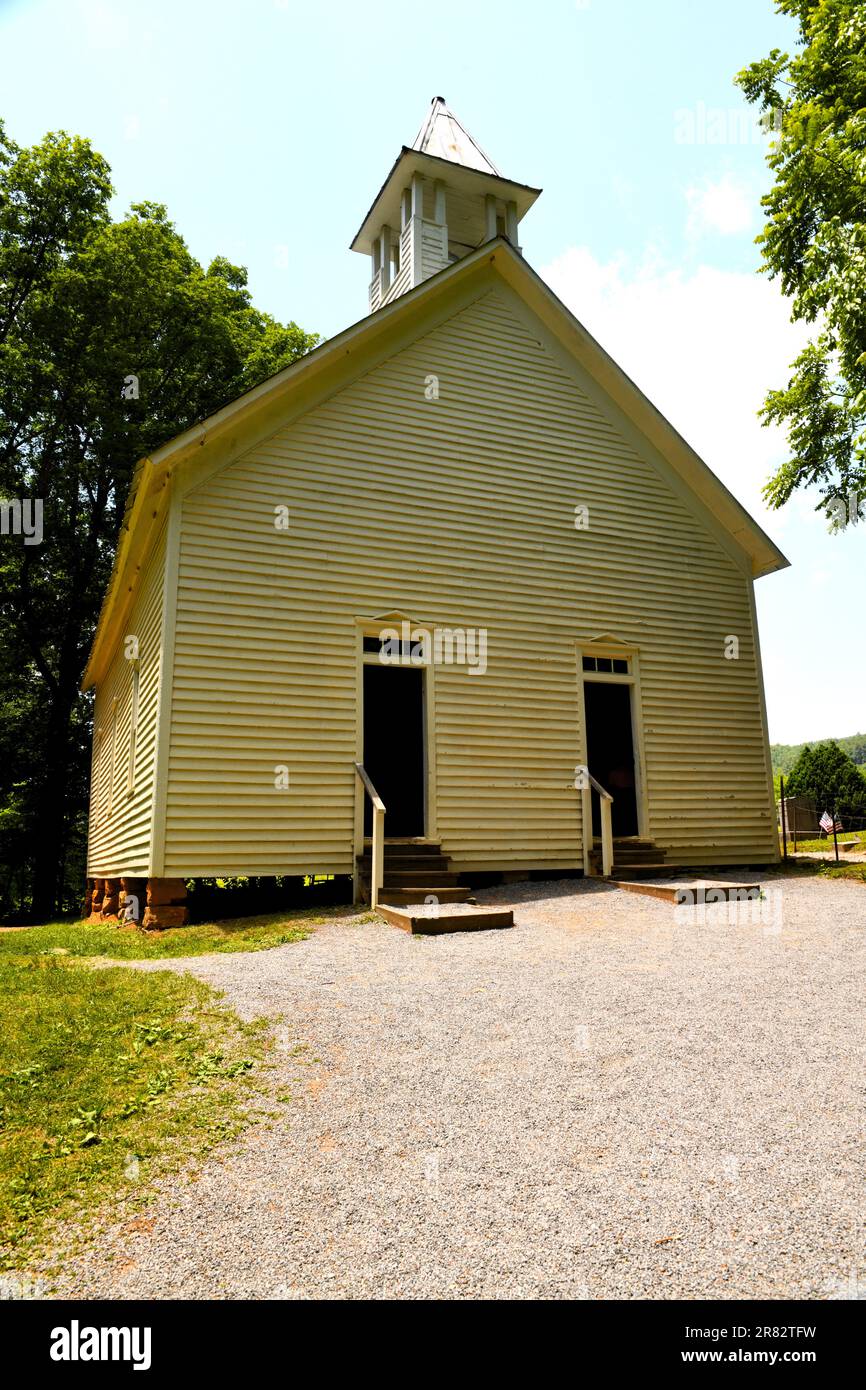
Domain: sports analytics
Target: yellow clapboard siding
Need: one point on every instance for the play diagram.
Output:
(119, 839)
(461, 513)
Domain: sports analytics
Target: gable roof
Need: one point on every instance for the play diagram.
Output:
(268, 403)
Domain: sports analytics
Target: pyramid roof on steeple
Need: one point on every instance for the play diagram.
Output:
(442, 135)
(442, 149)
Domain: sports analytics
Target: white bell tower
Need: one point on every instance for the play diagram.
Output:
(443, 198)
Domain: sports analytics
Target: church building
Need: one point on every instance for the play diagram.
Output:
(445, 600)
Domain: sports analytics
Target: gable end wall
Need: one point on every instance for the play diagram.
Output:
(459, 512)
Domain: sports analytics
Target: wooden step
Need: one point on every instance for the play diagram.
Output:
(401, 896)
(458, 917)
(631, 857)
(691, 892)
(644, 856)
(628, 847)
(401, 847)
(645, 870)
(635, 847)
(407, 863)
(427, 882)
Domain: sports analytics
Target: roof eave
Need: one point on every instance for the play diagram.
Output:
(363, 234)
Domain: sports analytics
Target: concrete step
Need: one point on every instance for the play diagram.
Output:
(457, 917)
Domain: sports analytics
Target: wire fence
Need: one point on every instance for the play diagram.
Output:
(851, 823)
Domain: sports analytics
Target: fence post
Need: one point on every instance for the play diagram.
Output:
(782, 805)
(835, 841)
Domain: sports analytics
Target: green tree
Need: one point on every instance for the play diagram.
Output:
(113, 338)
(828, 774)
(815, 242)
(858, 752)
(784, 755)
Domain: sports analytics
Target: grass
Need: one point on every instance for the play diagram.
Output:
(830, 869)
(113, 943)
(856, 872)
(110, 1076)
(825, 845)
(826, 868)
(106, 1072)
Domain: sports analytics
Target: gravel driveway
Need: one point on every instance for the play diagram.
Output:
(603, 1102)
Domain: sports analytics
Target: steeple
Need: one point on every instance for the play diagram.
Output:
(443, 198)
(442, 135)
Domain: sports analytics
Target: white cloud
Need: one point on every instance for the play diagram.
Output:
(704, 346)
(725, 205)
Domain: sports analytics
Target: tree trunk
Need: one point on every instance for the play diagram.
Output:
(51, 810)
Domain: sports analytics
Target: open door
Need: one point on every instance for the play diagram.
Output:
(610, 752)
(394, 747)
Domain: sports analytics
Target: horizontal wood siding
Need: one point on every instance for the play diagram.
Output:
(434, 248)
(119, 840)
(459, 512)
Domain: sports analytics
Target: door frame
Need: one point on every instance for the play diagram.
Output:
(371, 627)
(609, 646)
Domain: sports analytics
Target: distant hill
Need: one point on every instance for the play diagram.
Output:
(784, 755)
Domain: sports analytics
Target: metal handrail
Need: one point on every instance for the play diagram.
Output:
(377, 866)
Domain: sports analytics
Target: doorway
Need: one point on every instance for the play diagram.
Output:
(610, 752)
(394, 747)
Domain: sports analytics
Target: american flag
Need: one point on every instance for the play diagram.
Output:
(826, 823)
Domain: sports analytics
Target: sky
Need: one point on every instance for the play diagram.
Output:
(267, 127)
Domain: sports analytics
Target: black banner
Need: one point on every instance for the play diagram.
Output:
(83, 1341)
